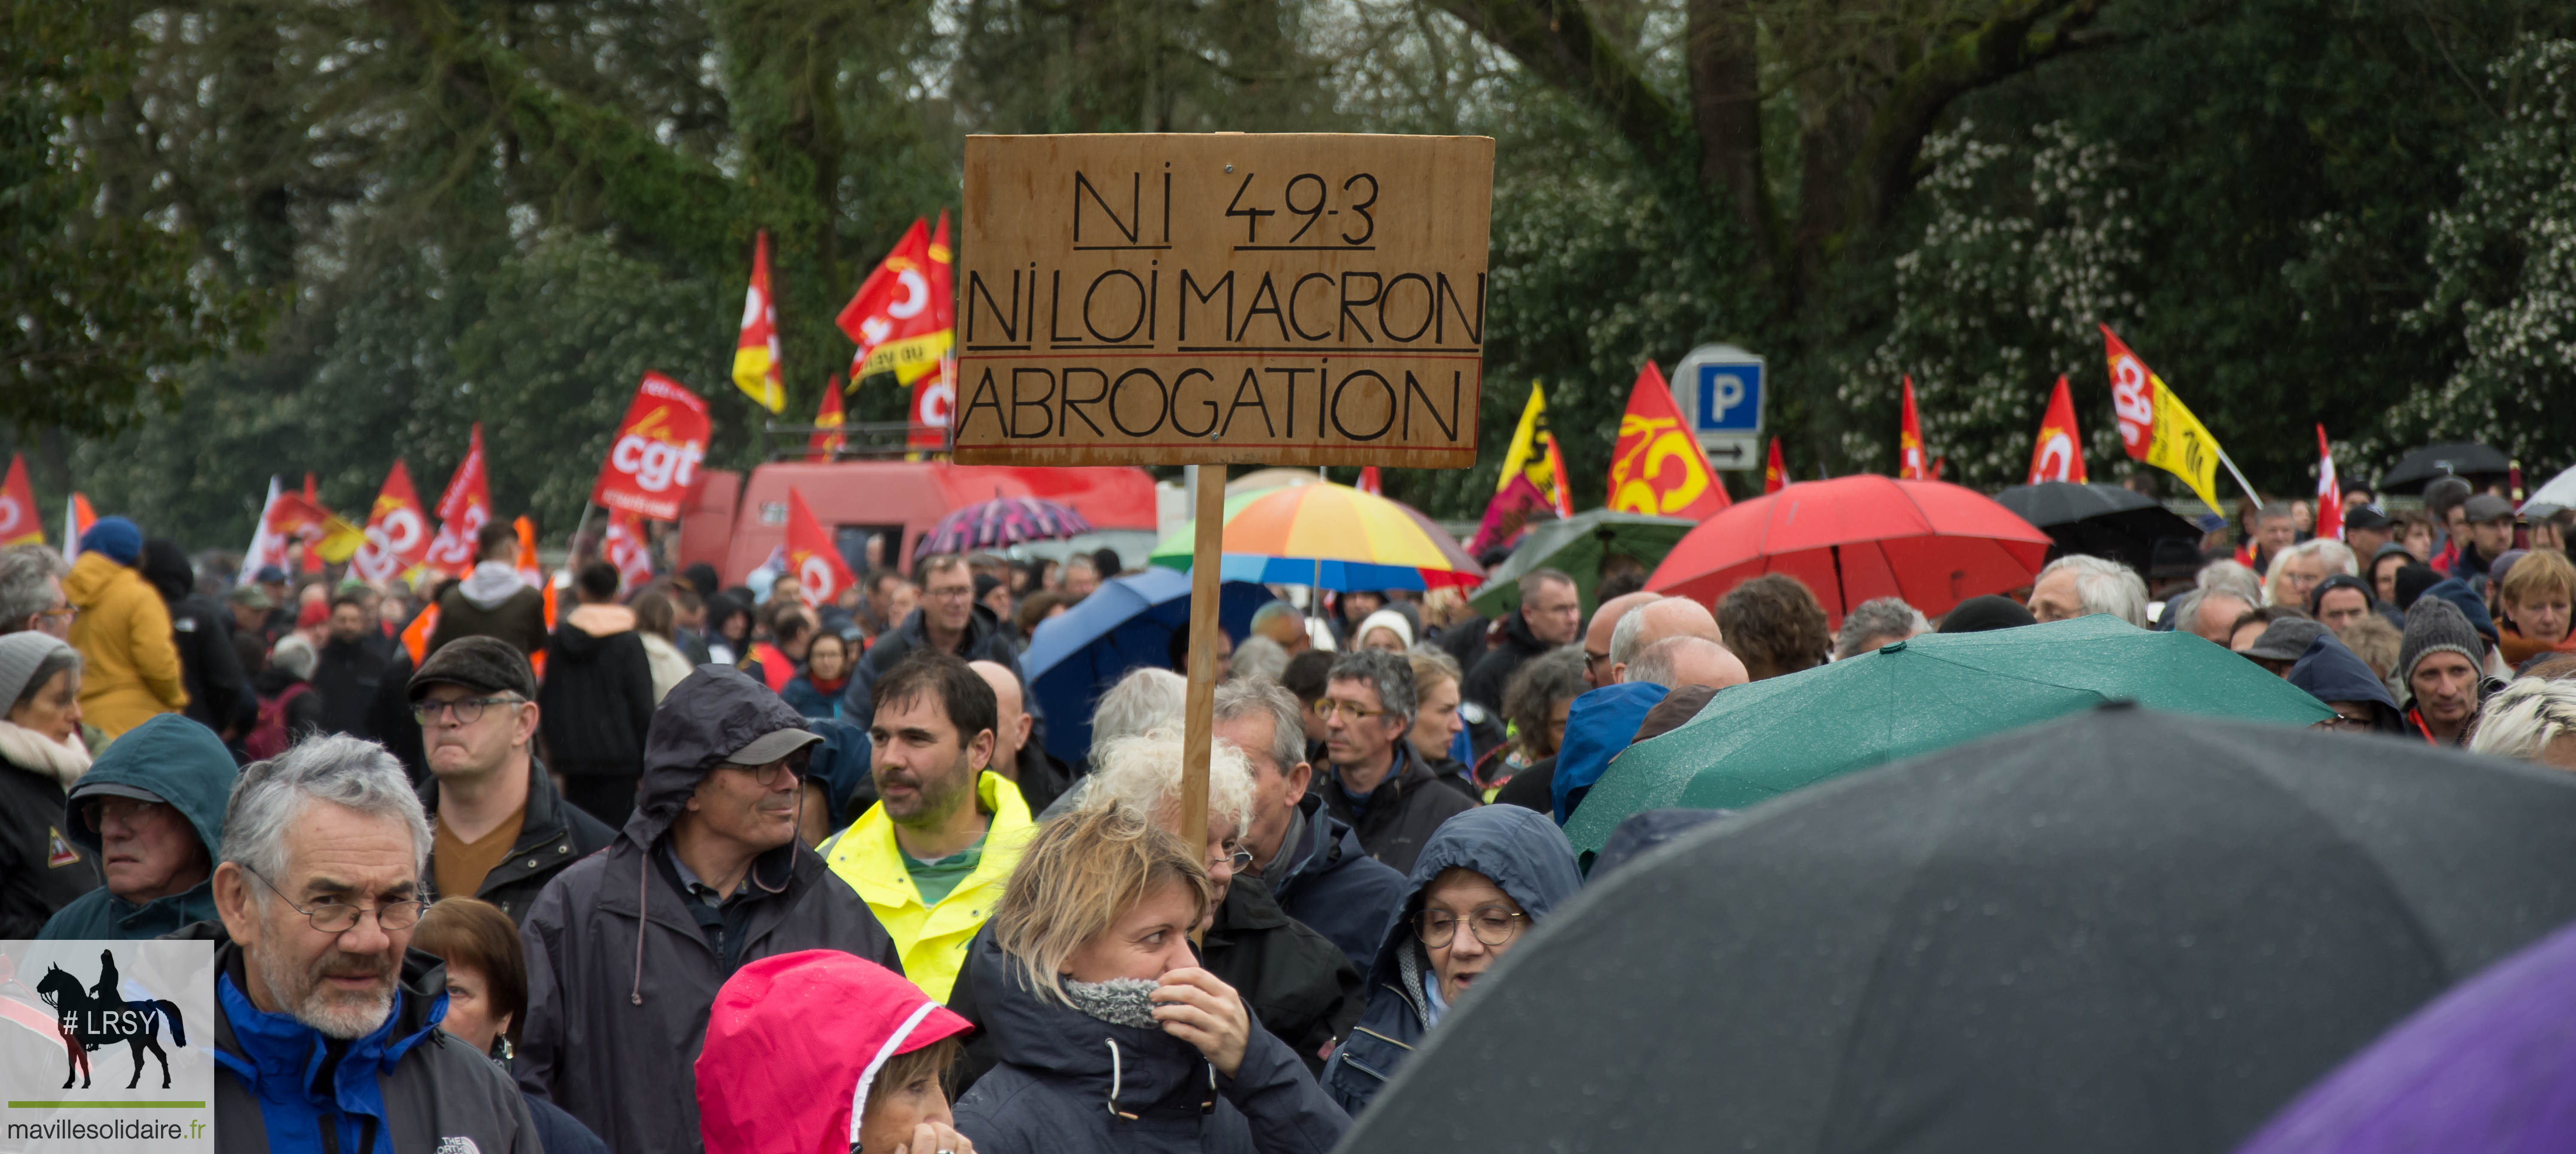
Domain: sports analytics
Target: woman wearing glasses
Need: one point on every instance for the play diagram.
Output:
(1481, 882)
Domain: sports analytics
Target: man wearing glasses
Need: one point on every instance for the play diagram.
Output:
(500, 832)
(627, 947)
(948, 621)
(1376, 785)
(319, 890)
(31, 591)
(150, 812)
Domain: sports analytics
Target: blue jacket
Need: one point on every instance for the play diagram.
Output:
(1330, 883)
(406, 1088)
(181, 763)
(1521, 852)
(1069, 1083)
(811, 702)
(1599, 724)
(2331, 672)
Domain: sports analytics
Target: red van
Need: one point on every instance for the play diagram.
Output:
(735, 526)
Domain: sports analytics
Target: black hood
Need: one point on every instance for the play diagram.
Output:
(708, 715)
(580, 646)
(1152, 1069)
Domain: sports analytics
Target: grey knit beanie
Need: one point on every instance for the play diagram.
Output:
(20, 654)
(2434, 626)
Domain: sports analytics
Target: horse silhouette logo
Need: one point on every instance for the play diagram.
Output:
(97, 1015)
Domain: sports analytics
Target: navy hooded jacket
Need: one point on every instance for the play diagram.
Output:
(184, 765)
(2331, 672)
(1522, 853)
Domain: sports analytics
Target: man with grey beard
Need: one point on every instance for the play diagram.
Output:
(319, 890)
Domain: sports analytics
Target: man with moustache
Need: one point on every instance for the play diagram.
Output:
(932, 854)
(627, 947)
(326, 1034)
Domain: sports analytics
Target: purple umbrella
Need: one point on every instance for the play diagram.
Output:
(2489, 1066)
(1000, 522)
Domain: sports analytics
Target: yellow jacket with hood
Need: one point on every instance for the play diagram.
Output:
(129, 667)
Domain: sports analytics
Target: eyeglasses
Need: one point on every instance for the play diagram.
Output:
(1327, 707)
(766, 776)
(1235, 862)
(125, 809)
(1492, 925)
(949, 592)
(2347, 723)
(466, 710)
(341, 917)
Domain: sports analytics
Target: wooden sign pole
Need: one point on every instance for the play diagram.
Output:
(1198, 728)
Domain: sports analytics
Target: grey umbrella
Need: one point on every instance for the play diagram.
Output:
(2122, 931)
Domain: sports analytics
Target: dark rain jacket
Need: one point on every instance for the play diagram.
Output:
(1502, 658)
(2331, 672)
(983, 641)
(1332, 885)
(621, 978)
(1401, 812)
(1303, 988)
(347, 677)
(41, 870)
(1069, 1083)
(1520, 851)
(186, 766)
(407, 1088)
(597, 701)
(209, 666)
(552, 836)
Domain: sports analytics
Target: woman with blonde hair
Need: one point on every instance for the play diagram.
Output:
(1108, 1035)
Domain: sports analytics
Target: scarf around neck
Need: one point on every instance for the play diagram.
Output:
(33, 751)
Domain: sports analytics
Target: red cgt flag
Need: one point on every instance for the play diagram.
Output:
(820, 573)
(625, 547)
(653, 462)
(463, 510)
(397, 530)
(900, 317)
(1775, 476)
(2058, 454)
(1657, 466)
(1909, 442)
(20, 523)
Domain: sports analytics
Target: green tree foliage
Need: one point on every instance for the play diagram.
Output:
(101, 307)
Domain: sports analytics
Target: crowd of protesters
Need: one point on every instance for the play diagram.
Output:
(693, 867)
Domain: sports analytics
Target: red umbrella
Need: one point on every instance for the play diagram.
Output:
(1855, 538)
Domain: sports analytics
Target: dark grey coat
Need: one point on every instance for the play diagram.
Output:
(621, 979)
(1069, 1083)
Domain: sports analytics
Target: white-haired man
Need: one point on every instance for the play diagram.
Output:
(319, 890)
(2076, 586)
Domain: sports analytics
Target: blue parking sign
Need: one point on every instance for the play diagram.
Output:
(1730, 398)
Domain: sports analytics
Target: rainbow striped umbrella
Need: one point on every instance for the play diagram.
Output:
(1330, 537)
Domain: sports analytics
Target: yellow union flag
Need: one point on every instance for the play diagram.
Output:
(2183, 446)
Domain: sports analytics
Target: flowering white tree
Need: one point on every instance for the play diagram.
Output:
(2027, 248)
(2505, 256)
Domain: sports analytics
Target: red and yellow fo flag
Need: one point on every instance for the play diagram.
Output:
(903, 318)
(653, 463)
(825, 442)
(20, 523)
(1775, 476)
(397, 530)
(1657, 466)
(820, 573)
(755, 352)
(1909, 442)
(2058, 455)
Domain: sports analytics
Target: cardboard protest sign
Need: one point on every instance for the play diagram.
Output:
(1293, 299)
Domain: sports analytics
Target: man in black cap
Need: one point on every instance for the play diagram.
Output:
(2365, 528)
(627, 948)
(499, 832)
(2490, 528)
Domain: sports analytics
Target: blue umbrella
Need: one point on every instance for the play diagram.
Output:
(1126, 623)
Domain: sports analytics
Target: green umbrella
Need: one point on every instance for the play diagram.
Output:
(1758, 741)
(1575, 547)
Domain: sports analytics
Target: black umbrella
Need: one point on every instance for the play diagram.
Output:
(2458, 458)
(2102, 520)
(2123, 931)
